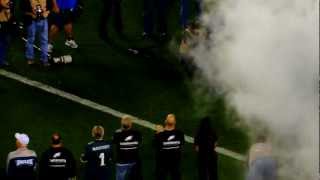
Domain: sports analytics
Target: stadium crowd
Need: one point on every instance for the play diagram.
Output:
(58, 163)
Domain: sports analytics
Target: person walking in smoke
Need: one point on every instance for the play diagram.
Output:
(262, 165)
(205, 144)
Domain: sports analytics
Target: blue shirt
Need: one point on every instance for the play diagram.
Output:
(66, 4)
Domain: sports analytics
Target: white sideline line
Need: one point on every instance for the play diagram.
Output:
(102, 108)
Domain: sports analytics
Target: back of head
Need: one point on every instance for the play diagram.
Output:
(97, 132)
(56, 139)
(170, 122)
(126, 122)
(261, 138)
(22, 140)
(205, 129)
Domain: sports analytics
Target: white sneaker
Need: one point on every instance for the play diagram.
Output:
(50, 48)
(71, 43)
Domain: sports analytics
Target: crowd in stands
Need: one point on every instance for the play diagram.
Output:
(58, 163)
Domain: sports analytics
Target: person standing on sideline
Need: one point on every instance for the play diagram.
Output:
(6, 18)
(169, 144)
(62, 17)
(36, 14)
(22, 163)
(127, 142)
(205, 144)
(98, 156)
(262, 165)
(110, 8)
(57, 163)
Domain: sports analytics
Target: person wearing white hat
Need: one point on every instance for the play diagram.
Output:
(22, 163)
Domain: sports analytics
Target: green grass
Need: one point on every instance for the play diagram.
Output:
(146, 87)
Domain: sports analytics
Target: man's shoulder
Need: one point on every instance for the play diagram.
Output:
(22, 154)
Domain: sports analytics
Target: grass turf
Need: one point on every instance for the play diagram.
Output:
(148, 87)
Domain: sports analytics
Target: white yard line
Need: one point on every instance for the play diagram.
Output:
(100, 107)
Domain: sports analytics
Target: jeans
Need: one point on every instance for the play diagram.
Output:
(263, 169)
(37, 28)
(124, 170)
(4, 43)
(184, 13)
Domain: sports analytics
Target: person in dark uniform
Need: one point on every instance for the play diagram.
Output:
(57, 163)
(127, 142)
(22, 163)
(205, 144)
(110, 8)
(169, 144)
(98, 156)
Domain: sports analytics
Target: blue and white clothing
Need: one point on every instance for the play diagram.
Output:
(67, 4)
(22, 164)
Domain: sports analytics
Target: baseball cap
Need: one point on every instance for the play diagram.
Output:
(22, 138)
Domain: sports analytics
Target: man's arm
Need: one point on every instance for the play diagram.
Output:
(8, 163)
(84, 156)
(54, 6)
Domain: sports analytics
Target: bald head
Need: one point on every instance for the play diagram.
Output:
(126, 122)
(170, 122)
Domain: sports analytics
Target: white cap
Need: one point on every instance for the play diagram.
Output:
(22, 138)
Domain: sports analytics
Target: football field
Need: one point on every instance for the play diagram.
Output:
(148, 85)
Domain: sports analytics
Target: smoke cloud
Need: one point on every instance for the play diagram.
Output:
(264, 55)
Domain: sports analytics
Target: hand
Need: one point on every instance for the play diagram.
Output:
(196, 148)
(56, 9)
(46, 14)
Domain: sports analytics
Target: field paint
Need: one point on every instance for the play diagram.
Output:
(102, 108)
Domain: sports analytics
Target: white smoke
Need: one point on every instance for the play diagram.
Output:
(265, 54)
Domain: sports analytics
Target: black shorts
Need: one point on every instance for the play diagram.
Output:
(62, 18)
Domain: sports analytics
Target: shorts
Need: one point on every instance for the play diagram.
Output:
(62, 18)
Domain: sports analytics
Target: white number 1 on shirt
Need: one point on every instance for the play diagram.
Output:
(102, 162)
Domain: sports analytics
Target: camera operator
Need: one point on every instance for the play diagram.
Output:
(6, 23)
(36, 13)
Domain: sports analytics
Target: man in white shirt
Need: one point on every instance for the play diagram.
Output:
(262, 165)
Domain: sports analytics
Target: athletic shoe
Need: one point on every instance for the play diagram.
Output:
(50, 48)
(71, 43)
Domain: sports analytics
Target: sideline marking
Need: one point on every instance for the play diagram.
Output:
(102, 108)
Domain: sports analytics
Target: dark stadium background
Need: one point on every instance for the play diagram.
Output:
(148, 86)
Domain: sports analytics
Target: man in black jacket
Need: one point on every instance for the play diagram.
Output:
(169, 144)
(57, 163)
(127, 142)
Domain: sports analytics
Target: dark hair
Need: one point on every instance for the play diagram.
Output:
(206, 133)
(56, 139)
